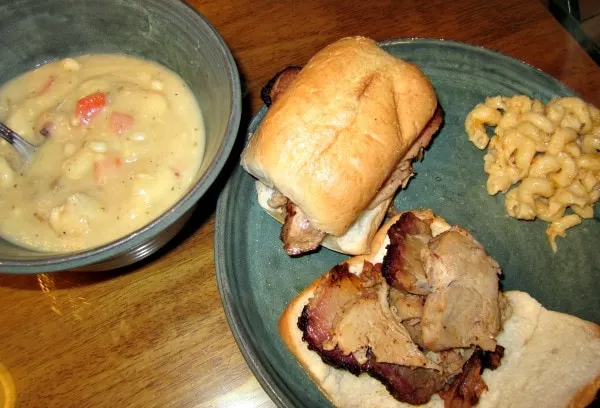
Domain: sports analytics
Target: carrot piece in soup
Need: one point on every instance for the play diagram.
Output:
(107, 168)
(46, 86)
(120, 122)
(89, 105)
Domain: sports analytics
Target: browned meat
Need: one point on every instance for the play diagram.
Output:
(404, 305)
(346, 312)
(297, 233)
(45, 130)
(347, 325)
(278, 84)
(370, 274)
(407, 384)
(399, 177)
(392, 211)
(337, 289)
(403, 172)
(402, 265)
(430, 129)
(277, 200)
(451, 361)
(413, 327)
(45, 126)
(462, 309)
(492, 360)
(466, 387)
(366, 325)
(408, 309)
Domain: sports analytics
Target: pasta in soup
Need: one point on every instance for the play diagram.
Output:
(121, 141)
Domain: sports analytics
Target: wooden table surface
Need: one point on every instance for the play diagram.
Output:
(155, 335)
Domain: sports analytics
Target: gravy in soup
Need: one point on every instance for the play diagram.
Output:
(122, 140)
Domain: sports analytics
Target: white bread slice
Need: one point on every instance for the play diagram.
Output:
(551, 359)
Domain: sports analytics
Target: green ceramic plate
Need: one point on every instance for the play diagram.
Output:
(257, 279)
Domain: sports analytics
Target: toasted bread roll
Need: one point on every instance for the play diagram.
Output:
(336, 137)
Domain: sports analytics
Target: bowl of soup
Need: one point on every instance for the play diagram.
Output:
(134, 106)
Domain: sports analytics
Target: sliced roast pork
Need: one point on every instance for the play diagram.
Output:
(297, 233)
(337, 290)
(463, 308)
(402, 265)
(349, 324)
(403, 171)
(406, 306)
(423, 322)
(275, 88)
(467, 386)
(367, 325)
(408, 384)
(408, 310)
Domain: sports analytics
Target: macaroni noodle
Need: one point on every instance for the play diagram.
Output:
(552, 151)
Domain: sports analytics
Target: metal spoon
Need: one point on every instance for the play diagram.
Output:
(22, 146)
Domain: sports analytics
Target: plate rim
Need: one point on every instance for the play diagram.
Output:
(255, 365)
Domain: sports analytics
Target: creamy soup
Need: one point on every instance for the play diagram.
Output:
(121, 141)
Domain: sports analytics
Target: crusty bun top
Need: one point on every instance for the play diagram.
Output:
(340, 130)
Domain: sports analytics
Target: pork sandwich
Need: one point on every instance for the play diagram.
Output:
(337, 142)
(421, 321)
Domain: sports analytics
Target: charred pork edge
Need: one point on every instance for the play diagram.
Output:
(265, 93)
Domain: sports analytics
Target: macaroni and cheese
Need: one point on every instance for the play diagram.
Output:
(552, 151)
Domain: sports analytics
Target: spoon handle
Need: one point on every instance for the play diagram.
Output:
(22, 146)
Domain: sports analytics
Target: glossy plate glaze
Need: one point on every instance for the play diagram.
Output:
(257, 279)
